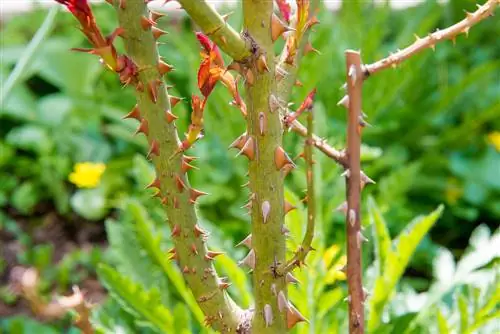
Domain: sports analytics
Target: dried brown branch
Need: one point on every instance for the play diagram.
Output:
(450, 33)
(353, 193)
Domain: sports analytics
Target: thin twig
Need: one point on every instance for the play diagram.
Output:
(305, 246)
(432, 39)
(353, 194)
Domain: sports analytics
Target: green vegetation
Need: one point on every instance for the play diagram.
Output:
(432, 150)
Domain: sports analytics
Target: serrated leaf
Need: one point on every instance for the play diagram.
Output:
(136, 300)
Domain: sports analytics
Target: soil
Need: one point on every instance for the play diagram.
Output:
(66, 234)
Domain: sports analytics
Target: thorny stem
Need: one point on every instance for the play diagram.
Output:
(432, 39)
(305, 246)
(215, 27)
(353, 194)
(190, 248)
(266, 180)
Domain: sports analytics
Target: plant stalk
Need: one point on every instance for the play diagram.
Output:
(353, 194)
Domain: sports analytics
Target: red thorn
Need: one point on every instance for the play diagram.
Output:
(193, 249)
(122, 4)
(154, 184)
(186, 166)
(154, 150)
(153, 90)
(281, 159)
(155, 16)
(146, 23)
(287, 207)
(139, 87)
(176, 203)
(224, 285)
(110, 1)
(135, 113)
(179, 183)
(143, 127)
(185, 270)
(164, 68)
(239, 142)
(176, 231)
(194, 194)
(188, 158)
(211, 255)
(248, 149)
(157, 33)
(198, 231)
(164, 201)
(298, 83)
(170, 117)
(174, 100)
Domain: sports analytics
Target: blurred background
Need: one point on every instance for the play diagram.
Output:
(69, 164)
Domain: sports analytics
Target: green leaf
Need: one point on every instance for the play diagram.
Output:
(382, 240)
(25, 197)
(464, 313)
(442, 323)
(89, 203)
(136, 300)
(396, 263)
(30, 137)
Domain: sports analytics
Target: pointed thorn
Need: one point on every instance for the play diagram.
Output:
(291, 279)
(293, 317)
(344, 101)
(154, 184)
(224, 285)
(288, 207)
(176, 203)
(153, 91)
(194, 194)
(262, 64)
(249, 260)
(247, 241)
(352, 217)
(135, 113)
(185, 270)
(143, 127)
(262, 123)
(281, 159)
(282, 301)
(266, 209)
(169, 116)
(174, 100)
(198, 231)
(248, 149)
(176, 231)
(342, 208)
(225, 17)
(164, 68)
(194, 251)
(268, 315)
(154, 150)
(212, 255)
(146, 23)
(157, 33)
(239, 142)
(155, 16)
(179, 183)
(122, 4)
(277, 27)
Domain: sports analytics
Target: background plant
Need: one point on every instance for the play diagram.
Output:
(394, 192)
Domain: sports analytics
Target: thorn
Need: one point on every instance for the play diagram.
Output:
(176, 231)
(179, 183)
(281, 159)
(344, 101)
(154, 184)
(249, 260)
(274, 103)
(198, 231)
(361, 238)
(135, 113)
(185, 166)
(164, 68)
(139, 87)
(155, 16)
(297, 83)
(417, 38)
(347, 299)
(211, 255)
(225, 17)
(173, 253)
(157, 33)
(185, 270)
(143, 127)
(153, 91)
(246, 184)
(352, 217)
(262, 123)
(266, 209)
(346, 173)
(188, 158)
(224, 285)
(248, 149)
(268, 315)
(364, 179)
(282, 301)
(273, 289)
(235, 66)
(247, 241)
(293, 316)
(146, 23)
(309, 48)
(469, 15)
(291, 279)
(466, 31)
(174, 100)
(239, 142)
(352, 74)
(176, 203)
(284, 230)
(154, 150)
(288, 207)
(249, 77)
(277, 27)
(342, 208)
(194, 251)
(164, 201)
(262, 64)
(169, 116)
(122, 4)
(194, 194)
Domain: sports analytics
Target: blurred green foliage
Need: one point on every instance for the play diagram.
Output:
(428, 146)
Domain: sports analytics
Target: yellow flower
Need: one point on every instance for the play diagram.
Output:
(87, 174)
(494, 139)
